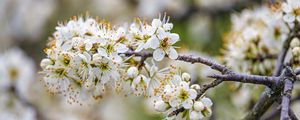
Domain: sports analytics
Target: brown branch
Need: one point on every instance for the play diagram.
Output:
(229, 75)
(268, 97)
(205, 87)
(286, 99)
(254, 79)
(187, 58)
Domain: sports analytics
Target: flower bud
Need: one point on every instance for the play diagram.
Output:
(45, 63)
(161, 106)
(295, 43)
(198, 106)
(186, 77)
(194, 115)
(132, 72)
(296, 51)
(206, 102)
(196, 87)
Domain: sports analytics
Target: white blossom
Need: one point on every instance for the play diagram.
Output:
(291, 10)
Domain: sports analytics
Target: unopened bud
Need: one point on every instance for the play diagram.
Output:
(132, 72)
(161, 106)
(295, 43)
(194, 115)
(45, 63)
(198, 106)
(196, 87)
(186, 77)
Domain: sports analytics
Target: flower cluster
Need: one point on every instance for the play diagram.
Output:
(255, 41)
(86, 58)
(178, 94)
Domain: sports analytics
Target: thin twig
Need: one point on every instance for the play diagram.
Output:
(205, 87)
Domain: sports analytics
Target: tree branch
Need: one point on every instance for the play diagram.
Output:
(268, 97)
(187, 58)
(205, 87)
(286, 98)
(254, 79)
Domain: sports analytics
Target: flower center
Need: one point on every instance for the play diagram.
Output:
(164, 43)
(183, 95)
(109, 48)
(66, 60)
(60, 71)
(104, 66)
(296, 11)
(277, 32)
(13, 73)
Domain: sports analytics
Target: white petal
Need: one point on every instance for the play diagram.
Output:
(289, 18)
(158, 54)
(298, 18)
(102, 52)
(87, 56)
(153, 70)
(174, 38)
(82, 56)
(140, 47)
(88, 46)
(193, 94)
(156, 23)
(174, 102)
(121, 48)
(194, 115)
(116, 58)
(168, 26)
(185, 85)
(66, 46)
(206, 102)
(161, 33)
(150, 30)
(153, 42)
(187, 104)
(176, 80)
(172, 53)
(287, 8)
(160, 106)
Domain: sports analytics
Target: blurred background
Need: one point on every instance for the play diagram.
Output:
(201, 24)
